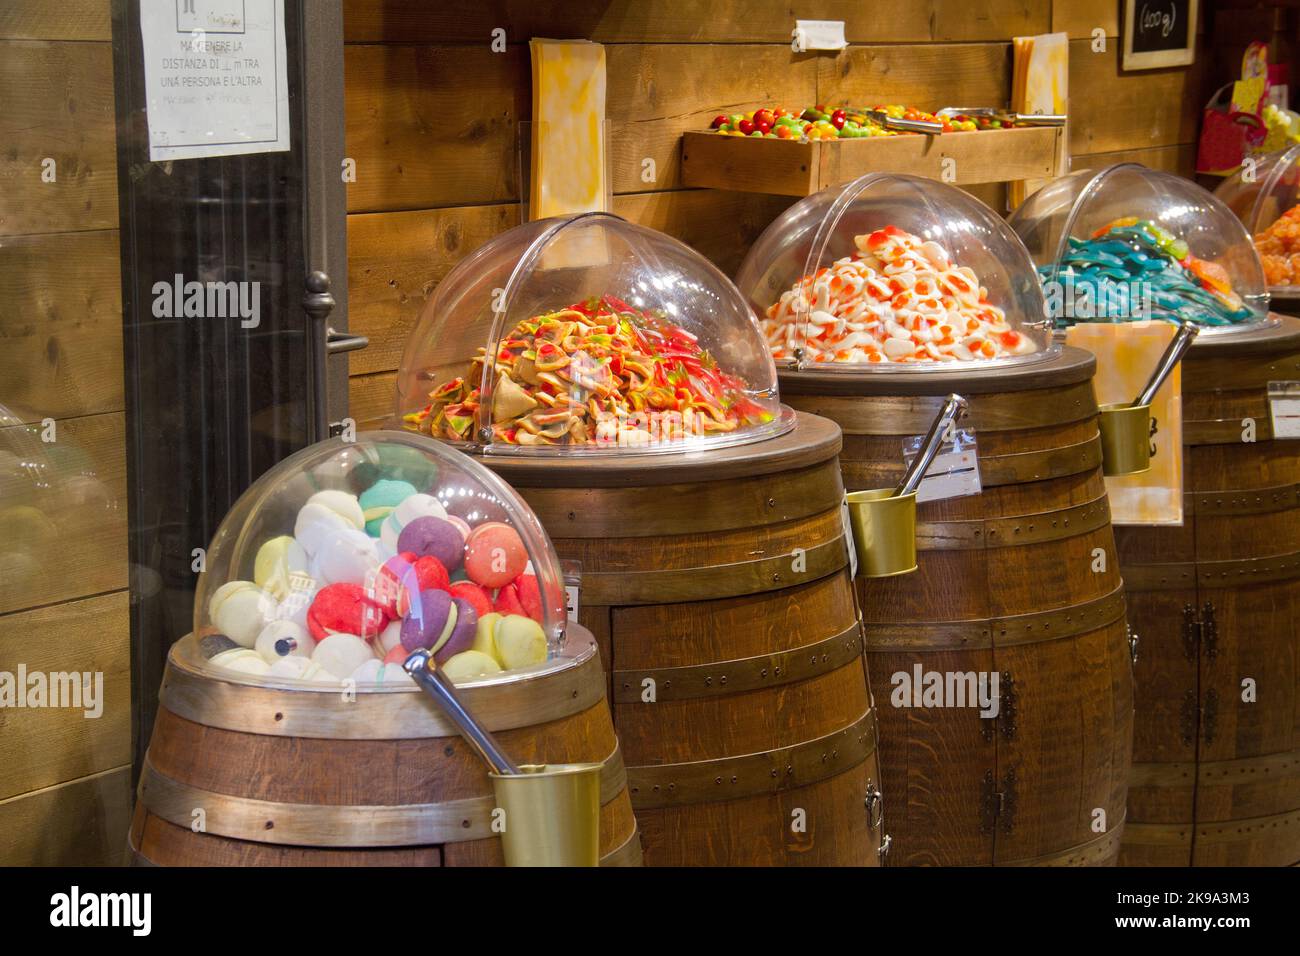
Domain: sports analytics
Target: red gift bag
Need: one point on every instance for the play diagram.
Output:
(1227, 137)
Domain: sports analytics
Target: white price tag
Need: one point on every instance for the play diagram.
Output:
(572, 571)
(1284, 408)
(818, 35)
(955, 471)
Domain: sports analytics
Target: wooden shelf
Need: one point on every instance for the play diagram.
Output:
(786, 168)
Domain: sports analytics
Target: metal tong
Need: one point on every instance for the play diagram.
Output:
(1006, 116)
(1174, 353)
(954, 409)
(436, 685)
(907, 125)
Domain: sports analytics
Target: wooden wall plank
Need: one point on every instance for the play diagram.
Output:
(371, 398)
(433, 125)
(61, 334)
(395, 260)
(58, 104)
(655, 92)
(1172, 159)
(67, 541)
(64, 20)
(690, 21)
(43, 747)
(720, 225)
(924, 76)
(1111, 110)
(82, 823)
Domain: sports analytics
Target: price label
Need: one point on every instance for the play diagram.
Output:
(955, 471)
(1284, 408)
(572, 571)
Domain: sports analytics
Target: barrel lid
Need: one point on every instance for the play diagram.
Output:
(1070, 366)
(1281, 334)
(812, 441)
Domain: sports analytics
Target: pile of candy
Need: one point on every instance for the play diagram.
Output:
(819, 123)
(365, 580)
(897, 299)
(597, 373)
(1279, 249)
(1175, 283)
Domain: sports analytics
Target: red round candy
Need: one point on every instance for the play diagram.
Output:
(478, 598)
(745, 126)
(507, 601)
(530, 596)
(718, 121)
(426, 574)
(346, 608)
(397, 655)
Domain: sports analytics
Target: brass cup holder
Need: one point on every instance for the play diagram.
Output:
(884, 531)
(552, 814)
(1125, 439)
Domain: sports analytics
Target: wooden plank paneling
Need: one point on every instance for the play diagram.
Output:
(433, 125)
(925, 76)
(371, 398)
(58, 104)
(64, 20)
(1171, 159)
(51, 745)
(655, 92)
(61, 334)
(395, 259)
(690, 21)
(1111, 111)
(82, 823)
(63, 518)
(720, 225)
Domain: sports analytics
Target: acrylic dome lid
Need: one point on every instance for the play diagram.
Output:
(894, 273)
(1265, 196)
(608, 338)
(348, 555)
(1127, 243)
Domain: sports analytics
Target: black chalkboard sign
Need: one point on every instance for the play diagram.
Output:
(1159, 33)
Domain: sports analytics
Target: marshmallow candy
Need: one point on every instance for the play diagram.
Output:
(240, 609)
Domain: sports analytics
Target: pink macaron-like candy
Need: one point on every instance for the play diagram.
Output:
(494, 555)
(436, 537)
(462, 634)
(427, 623)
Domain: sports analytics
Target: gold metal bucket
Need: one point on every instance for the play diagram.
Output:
(552, 814)
(884, 531)
(1125, 439)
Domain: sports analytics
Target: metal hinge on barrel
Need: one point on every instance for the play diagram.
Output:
(1200, 631)
(1007, 707)
(998, 804)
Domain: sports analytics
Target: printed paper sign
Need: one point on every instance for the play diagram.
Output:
(216, 77)
(955, 471)
(1284, 406)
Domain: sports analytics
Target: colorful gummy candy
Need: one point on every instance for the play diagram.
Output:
(597, 373)
(1130, 253)
(898, 298)
(1279, 249)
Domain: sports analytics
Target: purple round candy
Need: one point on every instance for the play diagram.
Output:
(436, 537)
(423, 624)
(462, 634)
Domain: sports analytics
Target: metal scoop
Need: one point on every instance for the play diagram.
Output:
(1174, 353)
(436, 685)
(954, 409)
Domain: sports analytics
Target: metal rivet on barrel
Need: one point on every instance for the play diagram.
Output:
(465, 824)
(733, 779)
(448, 751)
(708, 682)
(722, 679)
(771, 502)
(718, 781)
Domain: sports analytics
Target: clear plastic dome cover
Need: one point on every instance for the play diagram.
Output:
(347, 556)
(588, 335)
(1266, 198)
(894, 272)
(1127, 243)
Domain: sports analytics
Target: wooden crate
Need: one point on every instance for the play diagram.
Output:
(787, 168)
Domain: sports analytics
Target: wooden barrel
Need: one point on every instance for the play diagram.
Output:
(717, 583)
(1020, 581)
(1216, 777)
(244, 775)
